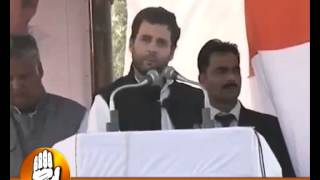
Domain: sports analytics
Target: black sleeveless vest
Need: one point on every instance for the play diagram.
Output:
(140, 108)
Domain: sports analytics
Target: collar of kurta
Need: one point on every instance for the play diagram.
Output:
(41, 104)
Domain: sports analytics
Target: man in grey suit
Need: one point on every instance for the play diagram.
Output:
(37, 118)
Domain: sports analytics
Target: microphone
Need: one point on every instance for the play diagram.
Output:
(171, 74)
(152, 76)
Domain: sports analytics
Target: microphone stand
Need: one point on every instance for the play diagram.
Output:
(206, 121)
(113, 125)
(171, 73)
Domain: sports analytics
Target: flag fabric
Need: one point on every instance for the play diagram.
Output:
(279, 44)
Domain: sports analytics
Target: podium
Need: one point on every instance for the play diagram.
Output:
(217, 152)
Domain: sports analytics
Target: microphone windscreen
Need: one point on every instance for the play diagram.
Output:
(170, 73)
(152, 76)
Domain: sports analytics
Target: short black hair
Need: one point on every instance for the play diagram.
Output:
(215, 46)
(156, 15)
(23, 46)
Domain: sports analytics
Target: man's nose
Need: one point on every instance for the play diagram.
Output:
(152, 47)
(231, 76)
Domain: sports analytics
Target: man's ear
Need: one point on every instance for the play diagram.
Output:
(203, 79)
(173, 49)
(131, 42)
(39, 69)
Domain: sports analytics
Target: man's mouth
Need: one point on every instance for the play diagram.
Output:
(230, 86)
(150, 62)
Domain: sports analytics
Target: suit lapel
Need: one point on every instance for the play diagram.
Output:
(244, 118)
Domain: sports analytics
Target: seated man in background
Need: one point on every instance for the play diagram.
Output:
(37, 118)
(219, 74)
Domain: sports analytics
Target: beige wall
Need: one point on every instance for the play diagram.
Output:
(61, 28)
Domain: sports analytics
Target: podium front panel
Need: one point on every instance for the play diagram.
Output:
(218, 152)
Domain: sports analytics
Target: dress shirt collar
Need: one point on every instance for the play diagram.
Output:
(213, 111)
(235, 111)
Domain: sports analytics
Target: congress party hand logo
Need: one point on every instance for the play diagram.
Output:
(43, 168)
(45, 164)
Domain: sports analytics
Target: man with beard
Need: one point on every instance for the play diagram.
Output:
(167, 105)
(218, 64)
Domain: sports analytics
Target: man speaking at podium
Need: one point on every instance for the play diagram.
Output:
(218, 64)
(166, 105)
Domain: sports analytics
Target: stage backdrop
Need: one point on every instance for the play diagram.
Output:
(61, 28)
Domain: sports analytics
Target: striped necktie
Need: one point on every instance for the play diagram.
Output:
(225, 119)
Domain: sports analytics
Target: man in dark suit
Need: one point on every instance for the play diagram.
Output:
(219, 74)
(37, 118)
